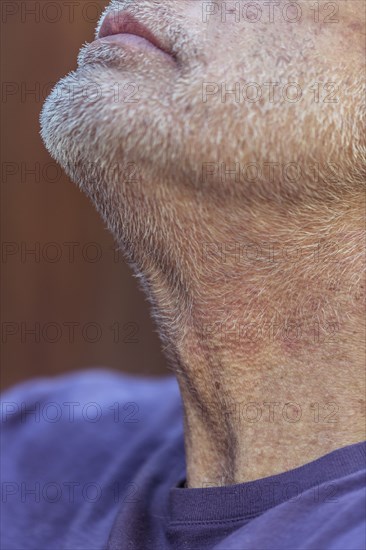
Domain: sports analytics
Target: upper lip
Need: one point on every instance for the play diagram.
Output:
(123, 22)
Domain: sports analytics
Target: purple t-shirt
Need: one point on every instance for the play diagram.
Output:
(95, 460)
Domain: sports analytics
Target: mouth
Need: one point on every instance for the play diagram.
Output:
(121, 27)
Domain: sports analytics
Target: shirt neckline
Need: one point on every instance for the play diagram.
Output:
(250, 499)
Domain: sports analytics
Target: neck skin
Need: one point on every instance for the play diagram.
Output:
(261, 313)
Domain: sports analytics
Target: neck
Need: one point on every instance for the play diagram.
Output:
(261, 315)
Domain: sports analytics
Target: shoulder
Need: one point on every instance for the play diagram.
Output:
(72, 445)
(91, 415)
(89, 396)
(80, 383)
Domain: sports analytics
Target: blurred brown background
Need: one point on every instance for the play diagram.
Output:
(67, 300)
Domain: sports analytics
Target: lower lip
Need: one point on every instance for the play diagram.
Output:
(134, 42)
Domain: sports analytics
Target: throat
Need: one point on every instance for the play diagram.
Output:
(252, 419)
(270, 379)
(268, 350)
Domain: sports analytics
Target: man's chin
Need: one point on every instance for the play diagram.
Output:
(106, 129)
(90, 115)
